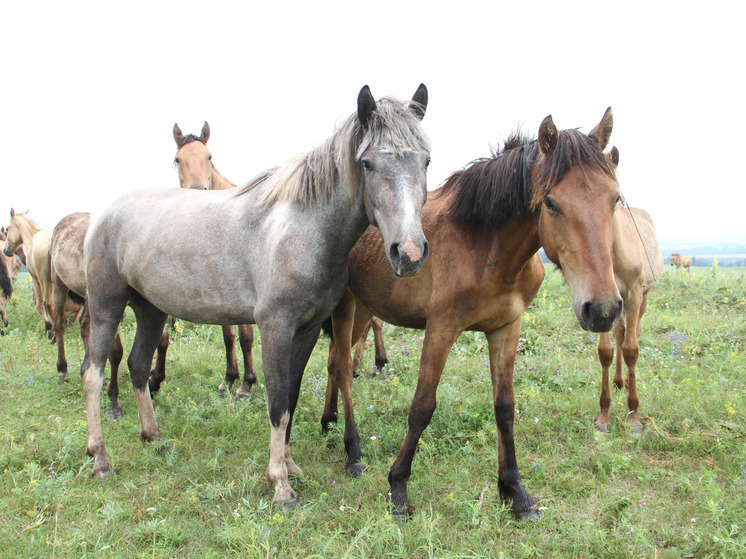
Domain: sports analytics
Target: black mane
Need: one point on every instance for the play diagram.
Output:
(188, 139)
(514, 181)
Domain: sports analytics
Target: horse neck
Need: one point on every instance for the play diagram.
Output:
(219, 182)
(27, 230)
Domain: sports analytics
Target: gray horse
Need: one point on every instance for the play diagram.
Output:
(276, 257)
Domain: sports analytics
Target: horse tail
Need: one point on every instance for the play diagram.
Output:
(326, 328)
(5, 284)
(75, 298)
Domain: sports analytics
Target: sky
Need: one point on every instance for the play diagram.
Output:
(91, 91)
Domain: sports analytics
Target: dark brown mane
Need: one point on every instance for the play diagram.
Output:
(514, 181)
(188, 139)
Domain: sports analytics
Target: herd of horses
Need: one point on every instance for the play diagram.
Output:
(349, 231)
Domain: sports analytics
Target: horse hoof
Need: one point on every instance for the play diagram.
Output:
(287, 500)
(240, 395)
(355, 470)
(636, 430)
(602, 428)
(530, 515)
(400, 513)
(101, 472)
(114, 414)
(164, 448)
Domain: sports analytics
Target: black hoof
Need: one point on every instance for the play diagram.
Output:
(114, 414)
(400, 513)
(530, 515)
(355, 470)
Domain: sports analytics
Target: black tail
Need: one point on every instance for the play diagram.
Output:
(326, 328)
(75, 298)
(5, 285)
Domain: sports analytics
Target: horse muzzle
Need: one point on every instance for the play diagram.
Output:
(599, 316)
(407, 258)
(7, 252)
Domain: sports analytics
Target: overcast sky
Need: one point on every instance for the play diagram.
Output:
(91, 91)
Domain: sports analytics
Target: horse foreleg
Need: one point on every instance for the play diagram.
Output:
(619, 332)
(631, 353)
(357, 360)
(381, 356)
(40, 307)
(435, 348)
(605, 357)
(503, 344)
(276, 342)
(231, 363)
(246, 340)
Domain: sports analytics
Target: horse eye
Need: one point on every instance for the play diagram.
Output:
(427, 163)
(366, 165)
(551, 208)
(209, 157)
(617, 201)
(176, 161)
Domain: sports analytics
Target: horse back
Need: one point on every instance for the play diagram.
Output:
(66, 251)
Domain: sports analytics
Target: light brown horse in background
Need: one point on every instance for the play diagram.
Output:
(638, 262)
(13, 262)
(196, 171)
(681, 261)
(25, 231)
(485, 226)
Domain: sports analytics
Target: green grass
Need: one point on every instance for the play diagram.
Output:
(677, 491)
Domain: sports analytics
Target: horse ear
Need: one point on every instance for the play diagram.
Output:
(366, 104)
(205, 133)
(613, 155)
(178, 136)
(602, 131)
(548, 135)
(12, 213)
(420, 101)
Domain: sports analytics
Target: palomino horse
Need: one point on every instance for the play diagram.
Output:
(276, 256)
(638, 262)
(485, 226)
(196, 171)
(13, 262)
(681, 261)
(24, 231)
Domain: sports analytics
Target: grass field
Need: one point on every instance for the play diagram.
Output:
(677, 491)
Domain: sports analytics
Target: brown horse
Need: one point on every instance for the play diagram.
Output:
(68, 279)
(681, 261)
(6, 287)
(485, 226)
(638, 262)
(196, 171)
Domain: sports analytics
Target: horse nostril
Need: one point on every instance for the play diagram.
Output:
(425, 251)
(394, 252)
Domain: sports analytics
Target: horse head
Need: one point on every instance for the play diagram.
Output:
(577, 217)
(394, 156)
(193, 160)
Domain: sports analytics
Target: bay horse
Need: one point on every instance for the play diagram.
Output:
(197, 171)
(6, 287)
(276, 256)
(638, 262)
(485, 225)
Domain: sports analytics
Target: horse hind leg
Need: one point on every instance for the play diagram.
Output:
(381, 357)
(150, 323)
(59, 295)
(115, 359)
(246, 341)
